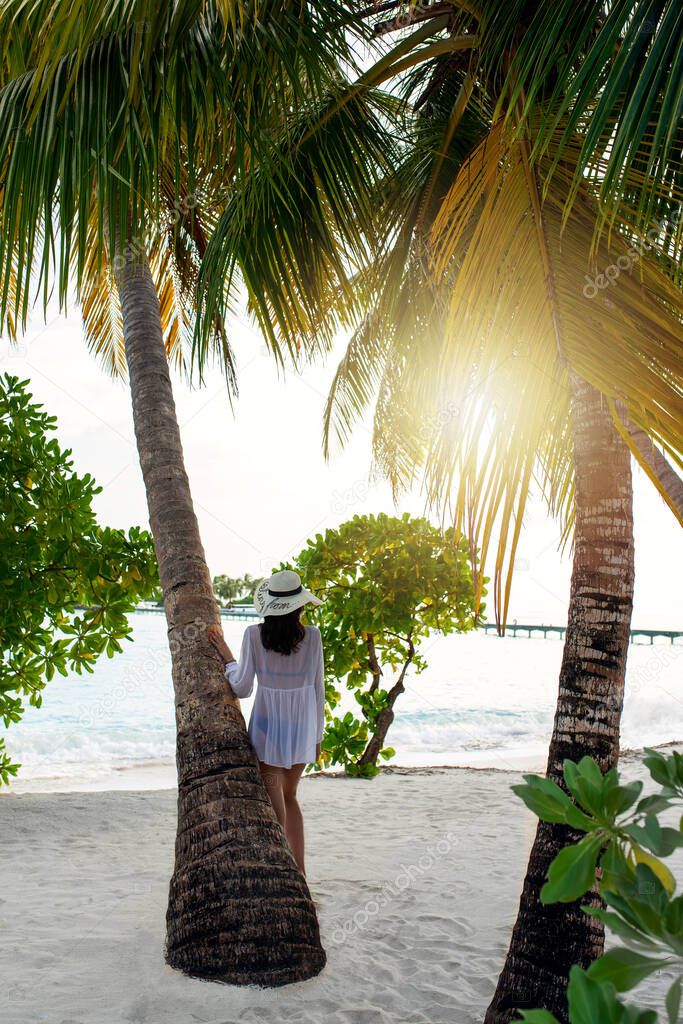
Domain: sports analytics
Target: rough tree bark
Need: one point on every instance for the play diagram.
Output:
(386, 715)
(239, 910)
(661, 468)
(547, 940)
(375, 668)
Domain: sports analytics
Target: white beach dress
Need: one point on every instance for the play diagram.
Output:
(288, 715)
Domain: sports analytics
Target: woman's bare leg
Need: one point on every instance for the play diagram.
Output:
(294, 821)
(281, 786)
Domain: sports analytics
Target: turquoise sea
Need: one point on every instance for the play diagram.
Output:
(483, 701)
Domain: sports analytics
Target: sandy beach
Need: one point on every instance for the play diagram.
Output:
(416, 876)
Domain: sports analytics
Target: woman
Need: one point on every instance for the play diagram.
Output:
(287, 719)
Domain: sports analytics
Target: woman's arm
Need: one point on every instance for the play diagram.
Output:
(240, 674)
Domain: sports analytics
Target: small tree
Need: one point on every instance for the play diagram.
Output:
(618, 857)
(67, 583)
(387, 583)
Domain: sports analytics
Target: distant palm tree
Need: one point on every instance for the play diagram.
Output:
(226, 588)
(543, 143)
(249, 585)
(121, 124)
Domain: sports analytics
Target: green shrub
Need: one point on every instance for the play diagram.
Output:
(67, 584)
(387, 583)
(623, 853)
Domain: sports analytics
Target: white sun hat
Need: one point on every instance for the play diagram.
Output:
(282, 593)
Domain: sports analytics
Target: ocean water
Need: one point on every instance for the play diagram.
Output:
(483, 701)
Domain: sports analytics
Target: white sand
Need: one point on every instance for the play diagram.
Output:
(416, 876)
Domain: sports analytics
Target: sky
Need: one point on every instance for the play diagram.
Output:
(260, 484)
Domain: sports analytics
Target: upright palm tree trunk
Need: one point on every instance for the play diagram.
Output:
(239, 910)
(547, 940)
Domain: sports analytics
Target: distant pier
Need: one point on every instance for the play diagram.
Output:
(248, 611)
(520, 629)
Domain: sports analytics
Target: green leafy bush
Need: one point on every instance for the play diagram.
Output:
(66, 584)
(621, 853)
(387, 583)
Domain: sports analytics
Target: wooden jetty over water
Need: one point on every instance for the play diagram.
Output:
(521, 629)
(248, 611)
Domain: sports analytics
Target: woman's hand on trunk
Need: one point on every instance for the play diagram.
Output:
(218, 641)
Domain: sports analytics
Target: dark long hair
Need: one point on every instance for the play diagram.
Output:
(282, 633)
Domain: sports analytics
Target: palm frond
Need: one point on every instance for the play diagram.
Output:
(480, 400)
(356, 380)
(295, 229)
(612, 75)
(521, 317)
(99, 99)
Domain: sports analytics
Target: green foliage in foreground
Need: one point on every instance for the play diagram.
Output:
(622, 849)
(66, 584)
(387, 583)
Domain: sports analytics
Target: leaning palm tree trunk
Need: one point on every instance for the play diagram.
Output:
(670, 483)
(547, 940)
(239, 910)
